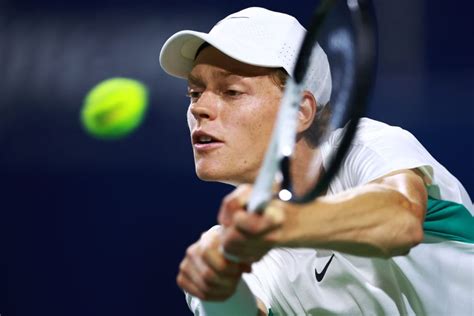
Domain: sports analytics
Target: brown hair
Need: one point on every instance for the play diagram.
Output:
(314, 132)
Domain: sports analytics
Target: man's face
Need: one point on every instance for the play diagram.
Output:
(231, 115)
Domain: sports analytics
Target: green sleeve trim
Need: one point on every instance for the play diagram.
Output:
(449, 220)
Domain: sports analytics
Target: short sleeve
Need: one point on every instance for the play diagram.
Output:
(393, 150)
(379, 149)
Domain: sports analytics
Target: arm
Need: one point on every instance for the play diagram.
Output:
(383, 218)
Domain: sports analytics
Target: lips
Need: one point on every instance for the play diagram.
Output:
(203, 141)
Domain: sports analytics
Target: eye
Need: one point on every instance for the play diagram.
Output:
(193, 95)
(233, 93)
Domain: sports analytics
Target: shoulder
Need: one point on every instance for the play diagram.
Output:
(371, 133)
(377, 150)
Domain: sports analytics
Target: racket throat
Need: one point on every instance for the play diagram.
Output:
(286, 185)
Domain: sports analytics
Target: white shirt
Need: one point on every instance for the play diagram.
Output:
(435, 278)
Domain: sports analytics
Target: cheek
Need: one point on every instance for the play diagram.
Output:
(265, 120)
(191, 120)
(259, 123)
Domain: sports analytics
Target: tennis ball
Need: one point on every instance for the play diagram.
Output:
(114, 108)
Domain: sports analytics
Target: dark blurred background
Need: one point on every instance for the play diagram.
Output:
(89, 227)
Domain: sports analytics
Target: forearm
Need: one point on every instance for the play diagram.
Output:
(372, 220)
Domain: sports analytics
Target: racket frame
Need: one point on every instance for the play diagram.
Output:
(277, 158)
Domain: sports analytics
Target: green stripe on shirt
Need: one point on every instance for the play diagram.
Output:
(449, 220)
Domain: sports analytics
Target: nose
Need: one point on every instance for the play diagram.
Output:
(205, 107)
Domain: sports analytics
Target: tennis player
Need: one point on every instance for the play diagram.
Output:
(392, 236)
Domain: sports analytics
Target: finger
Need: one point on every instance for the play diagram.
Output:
(209, 279)
(207, 289)
(233, 203)
(255, 225)
(188, 285)
(208, 294)
(217, 258)
(223, 267)
(275, 212)
(190, 269)
(247, 250)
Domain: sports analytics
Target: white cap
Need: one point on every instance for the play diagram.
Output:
(254, 36)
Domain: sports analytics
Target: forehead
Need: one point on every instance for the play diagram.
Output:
(212, 60)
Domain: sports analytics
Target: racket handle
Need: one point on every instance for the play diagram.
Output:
(241, 303)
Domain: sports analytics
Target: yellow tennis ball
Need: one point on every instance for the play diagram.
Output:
(114, 108)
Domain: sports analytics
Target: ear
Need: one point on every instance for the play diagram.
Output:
(307, 111)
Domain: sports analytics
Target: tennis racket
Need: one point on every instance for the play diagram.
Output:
(346, 30)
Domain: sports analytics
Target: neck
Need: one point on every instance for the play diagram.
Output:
(306, 167)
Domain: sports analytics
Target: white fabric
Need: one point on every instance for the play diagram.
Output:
(436, 278)
(241, 303)
(255, 36)
(379, 149)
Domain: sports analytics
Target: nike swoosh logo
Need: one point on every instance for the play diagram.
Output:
(320, 276)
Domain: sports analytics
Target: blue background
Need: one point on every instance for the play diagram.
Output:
(89, 227)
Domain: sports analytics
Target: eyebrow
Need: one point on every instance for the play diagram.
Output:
(195, 80)
(221, 73)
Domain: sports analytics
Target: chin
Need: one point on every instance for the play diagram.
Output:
(213, 175)
(221, 177)
(208, 175)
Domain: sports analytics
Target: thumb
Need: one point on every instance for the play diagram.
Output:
(233, 203)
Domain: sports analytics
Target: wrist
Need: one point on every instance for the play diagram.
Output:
(300, 224)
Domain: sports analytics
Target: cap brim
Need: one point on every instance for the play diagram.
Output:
(178, 52)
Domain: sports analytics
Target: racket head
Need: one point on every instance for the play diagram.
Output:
(347, 32)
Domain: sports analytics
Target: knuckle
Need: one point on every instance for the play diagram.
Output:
(228, 199)
(205, 235)
(247, 188)
(183, 265)
(243, 188)
(181, 281)
(190, 251)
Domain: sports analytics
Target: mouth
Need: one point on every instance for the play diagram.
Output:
(203, 141)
